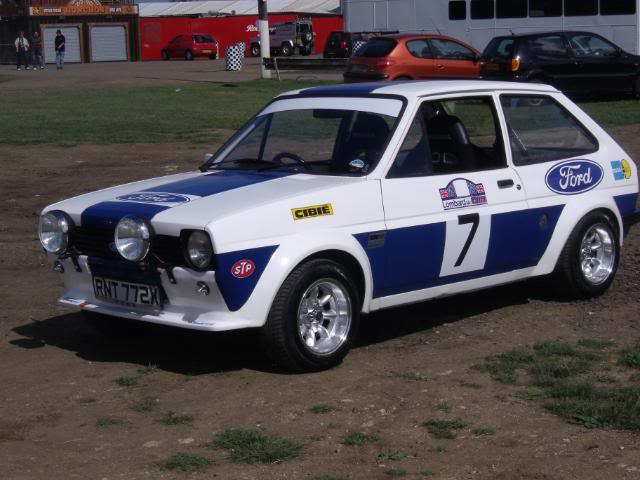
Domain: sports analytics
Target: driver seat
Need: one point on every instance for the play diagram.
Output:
(366, 140)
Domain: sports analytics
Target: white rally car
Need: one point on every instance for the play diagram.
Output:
(340, 200)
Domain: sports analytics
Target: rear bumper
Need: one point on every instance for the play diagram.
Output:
(353, 77)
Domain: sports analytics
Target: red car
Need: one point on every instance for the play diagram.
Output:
(412, 57)
(191, 46)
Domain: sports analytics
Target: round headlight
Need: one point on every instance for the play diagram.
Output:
(133, 238)
(199, 250)
(54, 231)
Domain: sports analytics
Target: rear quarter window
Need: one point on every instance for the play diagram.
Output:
(377, 47)
(541, 130)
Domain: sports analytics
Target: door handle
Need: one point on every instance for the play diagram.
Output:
(439, 67)
(505, 183)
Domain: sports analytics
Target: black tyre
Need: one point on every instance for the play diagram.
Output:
(314, 317)
(115, 327)
(212, 57)
(165, 55)
(188, 55)
(286, 50)
(306, 51)
(589, 260)
(635, 91)
(255, 50)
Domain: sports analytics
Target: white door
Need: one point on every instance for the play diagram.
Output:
(454, 209)
(72, 53)
(108, 43)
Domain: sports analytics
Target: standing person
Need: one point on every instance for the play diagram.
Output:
(22, 47)
(36, 46)
(59, 44)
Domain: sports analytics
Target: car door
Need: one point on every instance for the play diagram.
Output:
(172, 48)
(420, 61)
(454, 209)
(552, 61)
(600, 61)
(454, 60)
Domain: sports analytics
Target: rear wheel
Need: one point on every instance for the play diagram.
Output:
(589, 261)
(188, 55)
(255, 50)
(165, 55)
(636, 88)
(286, 50)
(402, 78)
(314, 317)
(212, 57)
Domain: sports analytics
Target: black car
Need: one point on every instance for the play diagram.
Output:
(340, 44)
(574, 62)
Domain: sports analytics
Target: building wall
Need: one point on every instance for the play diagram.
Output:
(432, 16)
(156, 32)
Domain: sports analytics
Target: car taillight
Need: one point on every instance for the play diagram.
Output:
(343, 44)
(384, 62)
(515, 64)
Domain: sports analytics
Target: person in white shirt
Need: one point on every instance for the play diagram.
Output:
(22, 51)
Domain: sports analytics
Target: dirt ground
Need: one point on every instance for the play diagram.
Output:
(57, 375)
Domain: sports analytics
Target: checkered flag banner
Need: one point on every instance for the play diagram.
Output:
(356, 46)
(234, 55)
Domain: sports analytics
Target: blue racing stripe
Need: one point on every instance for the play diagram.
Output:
(106, 215)
(411, 258)
(343, 89)
(626, 204)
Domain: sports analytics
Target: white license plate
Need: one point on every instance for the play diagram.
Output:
(206, 51)
(126, 293)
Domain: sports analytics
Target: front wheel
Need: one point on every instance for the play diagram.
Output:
(314, 317)
(165, 55)
(286, 50)
(589, 261)
(188, 55)
(255, 50)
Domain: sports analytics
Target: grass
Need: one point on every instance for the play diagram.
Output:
(622, 112)
(427, 473)
(483, 431)
(328, 476)
(103, 422)
(148, 369)
(573, 380)
(444, 429)
(145, 405)
(126, 381)
(185, 462)
(323, 408)
(391, 456)
(395, 472)
(109, 115)
(171, 419)
(443, 407)
(358, 439)
(251, 446)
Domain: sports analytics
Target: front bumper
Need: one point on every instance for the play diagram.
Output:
(184, 307)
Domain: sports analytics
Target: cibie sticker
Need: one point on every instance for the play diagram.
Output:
(621, 169)
(574, 176)
(461, 193)
(243, 268)
(312, 211)
(154, 197)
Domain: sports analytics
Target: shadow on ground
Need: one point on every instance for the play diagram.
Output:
(193, 352)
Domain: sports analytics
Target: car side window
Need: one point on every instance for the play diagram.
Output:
(448, 50)
(551, 47)
(451, 136)
(541, 130)
(590, 46)
(419, 48)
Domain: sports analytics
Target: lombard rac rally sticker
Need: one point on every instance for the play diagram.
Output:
(243, 268)
(621, 170)
(574, 176)
(162, 198)
(461, 193)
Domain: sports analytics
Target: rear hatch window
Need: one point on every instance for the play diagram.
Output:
(203, 39)
(496, 58)
(377, 48)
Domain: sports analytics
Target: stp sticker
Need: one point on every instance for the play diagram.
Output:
(243, 268)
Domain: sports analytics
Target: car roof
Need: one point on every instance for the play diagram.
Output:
(420, 88)
(546, 33)
(409, 36)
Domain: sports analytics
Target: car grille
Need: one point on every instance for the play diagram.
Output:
(95, 242)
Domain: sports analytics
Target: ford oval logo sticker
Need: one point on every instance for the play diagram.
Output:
(154, 197)
(574, 176)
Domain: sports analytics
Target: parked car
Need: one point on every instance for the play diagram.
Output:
(288, 38)
(340, 44)
(574, 62)
(412, 57)
(191, 46)
(382, 195)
